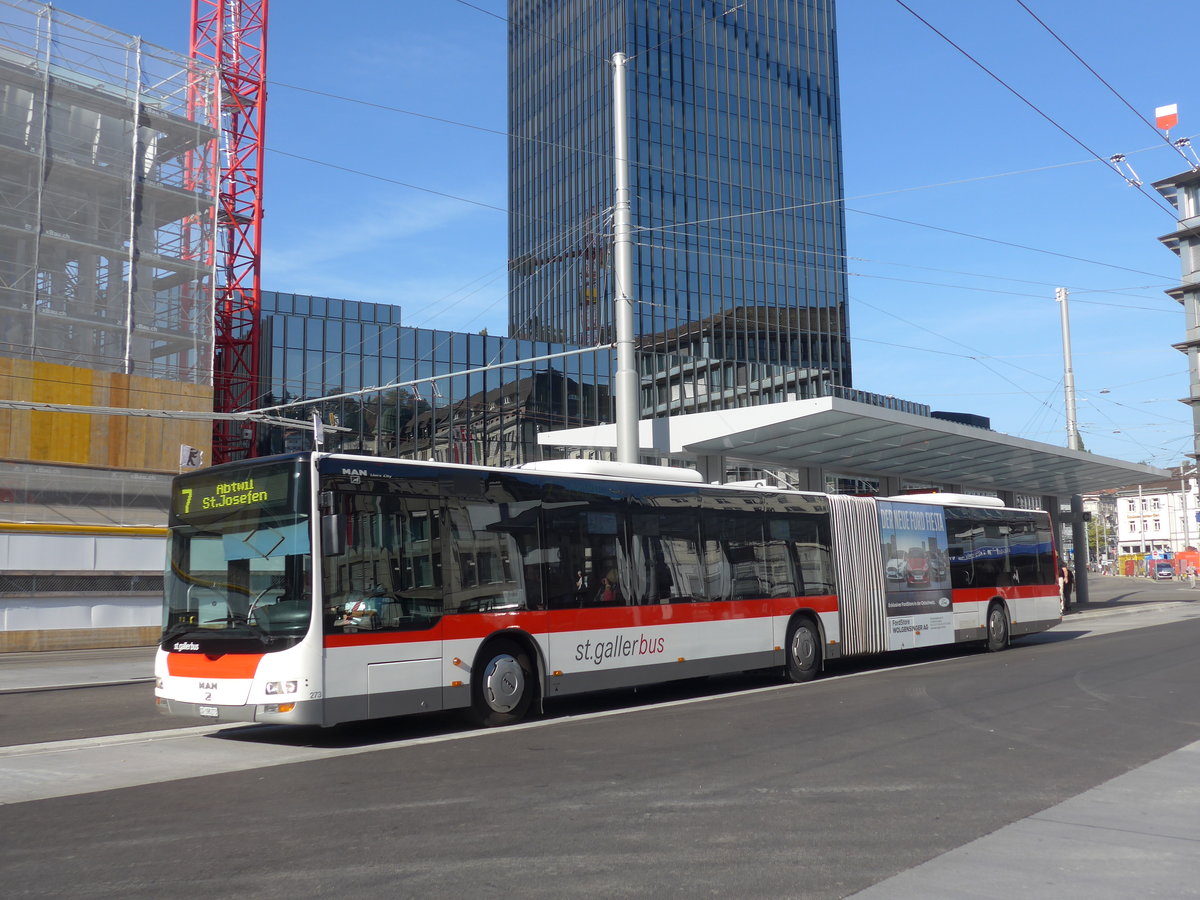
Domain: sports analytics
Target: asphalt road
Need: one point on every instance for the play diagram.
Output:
(816, 790)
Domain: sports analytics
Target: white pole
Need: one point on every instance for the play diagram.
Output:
(626, 387)
(1073, 441)
(1184, 490)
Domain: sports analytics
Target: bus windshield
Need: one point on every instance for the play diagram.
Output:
(239, 565)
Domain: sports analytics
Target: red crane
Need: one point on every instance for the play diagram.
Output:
(232, 35)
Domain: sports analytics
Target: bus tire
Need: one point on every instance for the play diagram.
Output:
(803, 651)
(503, 684)
(997, 628)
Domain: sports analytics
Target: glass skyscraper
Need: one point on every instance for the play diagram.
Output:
(735, 177)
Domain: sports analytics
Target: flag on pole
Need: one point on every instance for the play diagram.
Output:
(318, 431)
(1166, 117)
(190, 457)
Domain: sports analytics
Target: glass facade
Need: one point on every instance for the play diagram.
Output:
(319, 346)
(735, 178)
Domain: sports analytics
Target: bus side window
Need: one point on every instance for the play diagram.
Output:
(780, 566)
(389, 575)
(813, 546)
(486, 551)
(961, 573)
(1023, 547)
(965, 538)
(585, 564)
(665, 564)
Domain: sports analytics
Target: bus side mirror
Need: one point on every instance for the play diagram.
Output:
(333, 535)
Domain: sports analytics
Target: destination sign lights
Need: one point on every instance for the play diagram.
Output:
(249, 490)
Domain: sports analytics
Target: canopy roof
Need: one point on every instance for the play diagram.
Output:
(856, 438)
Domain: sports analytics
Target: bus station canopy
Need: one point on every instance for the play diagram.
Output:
(848, 437)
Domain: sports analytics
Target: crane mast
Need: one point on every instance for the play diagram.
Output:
(232, 36)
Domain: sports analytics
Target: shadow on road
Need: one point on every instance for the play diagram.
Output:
(430, 725)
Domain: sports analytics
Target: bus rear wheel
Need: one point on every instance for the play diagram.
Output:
(997, 628)
(503, 685)
(803, 651)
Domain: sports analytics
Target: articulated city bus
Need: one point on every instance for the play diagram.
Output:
(320, 588)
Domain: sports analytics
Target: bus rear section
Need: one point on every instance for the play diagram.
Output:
(930, 569)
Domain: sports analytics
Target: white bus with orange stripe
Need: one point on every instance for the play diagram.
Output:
(323, 588)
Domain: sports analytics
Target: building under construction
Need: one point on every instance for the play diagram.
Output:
(107, 213)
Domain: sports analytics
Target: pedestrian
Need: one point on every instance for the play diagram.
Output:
(1066, 579)
(1191, 576)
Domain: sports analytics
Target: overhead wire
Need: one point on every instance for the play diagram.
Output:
(607, 155)
(991, 240)
(785, 252)
(757, 212)
(1008, 87)
(466, 200)
(384, 178)
(716, 219)
(1114, 91)
(549, 37)
(304, 374)
(630, 60)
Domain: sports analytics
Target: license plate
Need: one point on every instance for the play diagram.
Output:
(210, 711)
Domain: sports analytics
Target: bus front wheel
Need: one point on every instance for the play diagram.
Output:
(503, 685)
(803, 651)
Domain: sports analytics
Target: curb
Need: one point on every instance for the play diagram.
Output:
(1124, 610)
(72, 686)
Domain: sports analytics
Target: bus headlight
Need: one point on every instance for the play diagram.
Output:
(281, 687)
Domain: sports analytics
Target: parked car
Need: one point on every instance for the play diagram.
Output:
(895, 569)
(1163, 570)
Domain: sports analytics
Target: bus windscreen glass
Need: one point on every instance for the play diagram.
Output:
(239, 564)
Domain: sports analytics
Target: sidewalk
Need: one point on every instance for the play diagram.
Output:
(52, 669)
(1135, 836)
(1110, 593)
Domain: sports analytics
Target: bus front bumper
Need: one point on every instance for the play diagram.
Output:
(296, 713)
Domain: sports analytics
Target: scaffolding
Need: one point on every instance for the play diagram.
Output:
(107, 199)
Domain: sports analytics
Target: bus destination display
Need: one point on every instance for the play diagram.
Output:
(255, 491)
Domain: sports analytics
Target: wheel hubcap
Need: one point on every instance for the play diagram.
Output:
(803, 650)
(503, 683)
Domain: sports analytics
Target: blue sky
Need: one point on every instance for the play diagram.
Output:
(957, 322)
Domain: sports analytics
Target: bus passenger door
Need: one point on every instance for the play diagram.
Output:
(383, 608)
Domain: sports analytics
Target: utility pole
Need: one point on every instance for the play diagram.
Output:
(1073, 440)
(626, 386)
(1078, 521)
(1184, 491)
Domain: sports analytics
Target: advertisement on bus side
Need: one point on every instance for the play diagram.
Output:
(917, 571)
